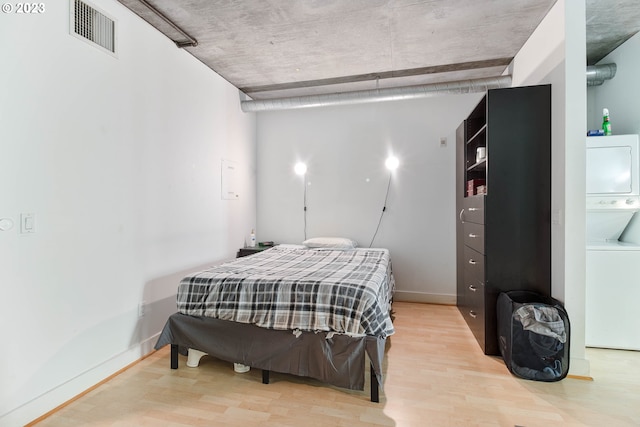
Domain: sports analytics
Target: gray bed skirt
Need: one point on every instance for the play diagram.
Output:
(334, 359)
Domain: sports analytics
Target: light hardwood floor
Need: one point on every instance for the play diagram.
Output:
(436, 375)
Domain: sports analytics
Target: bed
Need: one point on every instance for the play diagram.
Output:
(317, 312)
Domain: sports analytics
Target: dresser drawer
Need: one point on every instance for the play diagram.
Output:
(474, 296)
(473, 311)
(474, 236)
(473, 264)
(474, 281)
(476, 322)
(473, 209)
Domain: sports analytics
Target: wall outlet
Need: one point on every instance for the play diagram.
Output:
(142, 309)
(443, 141)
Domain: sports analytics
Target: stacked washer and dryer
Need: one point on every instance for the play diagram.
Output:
(613, 242)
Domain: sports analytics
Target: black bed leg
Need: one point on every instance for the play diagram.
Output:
(375, 395)
(174, 356)
(265, 376)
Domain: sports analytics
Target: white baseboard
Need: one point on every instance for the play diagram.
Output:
(579, 367)
(423, 297)
(70, 389)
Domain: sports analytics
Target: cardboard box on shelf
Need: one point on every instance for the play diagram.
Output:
(472, 186)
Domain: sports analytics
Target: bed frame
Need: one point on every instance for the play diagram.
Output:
(334, 359)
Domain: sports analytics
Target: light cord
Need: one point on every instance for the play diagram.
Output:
(384, 208)
(304, 203)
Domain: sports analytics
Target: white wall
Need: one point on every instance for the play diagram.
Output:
(556, 54)
(621, 95)
(346, 146)
(119, 159)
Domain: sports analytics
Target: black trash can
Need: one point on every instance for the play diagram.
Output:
(533, 335)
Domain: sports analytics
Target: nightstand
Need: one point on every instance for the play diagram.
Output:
(250, 251)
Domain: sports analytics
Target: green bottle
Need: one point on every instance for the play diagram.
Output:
(606, 124)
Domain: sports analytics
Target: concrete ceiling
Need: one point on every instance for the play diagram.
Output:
(609, 24)
(291, 48)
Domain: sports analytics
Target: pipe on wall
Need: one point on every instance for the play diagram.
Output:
(597, 74)
(376, 95)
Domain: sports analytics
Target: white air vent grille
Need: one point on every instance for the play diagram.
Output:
(92, 25)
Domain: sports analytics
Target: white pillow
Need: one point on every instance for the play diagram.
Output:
(330, 242)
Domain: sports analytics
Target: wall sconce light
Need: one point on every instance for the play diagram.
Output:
(392, 163)
(300, 168)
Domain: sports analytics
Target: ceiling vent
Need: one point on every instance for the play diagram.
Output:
(93, 26)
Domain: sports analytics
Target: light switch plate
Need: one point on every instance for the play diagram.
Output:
(27, 223)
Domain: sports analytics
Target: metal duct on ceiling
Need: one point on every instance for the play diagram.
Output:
(181, 44)
(376, 95)
(597, 74)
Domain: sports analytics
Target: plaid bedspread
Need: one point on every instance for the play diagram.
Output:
(346, 291)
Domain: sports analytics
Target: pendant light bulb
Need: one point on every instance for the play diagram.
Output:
(300, 168)
(392, 163)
